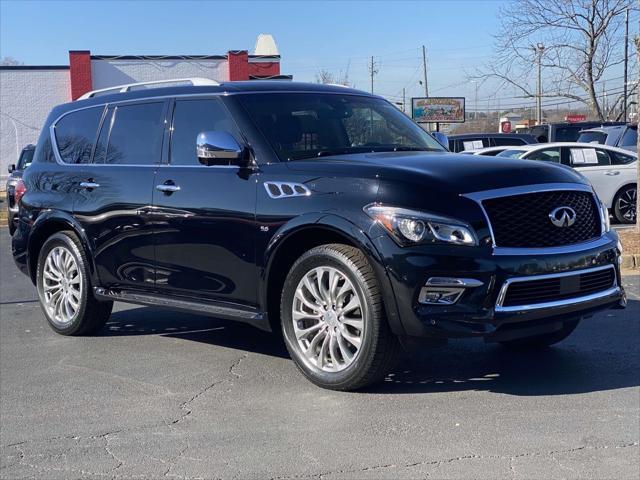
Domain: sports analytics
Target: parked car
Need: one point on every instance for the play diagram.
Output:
(564, 131)
(15, 173)
(278, 204)
(472, 141)
(622, 136)
(612, 171)
(488, 152)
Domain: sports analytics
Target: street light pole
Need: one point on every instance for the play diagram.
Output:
(626, 65)
(539, 49)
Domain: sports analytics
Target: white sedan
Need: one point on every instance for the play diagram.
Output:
(612, 171)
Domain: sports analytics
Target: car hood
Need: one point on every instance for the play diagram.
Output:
(454, 173)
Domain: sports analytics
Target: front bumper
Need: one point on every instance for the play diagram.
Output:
(478, 312)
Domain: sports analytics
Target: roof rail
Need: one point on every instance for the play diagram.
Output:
(196, 82)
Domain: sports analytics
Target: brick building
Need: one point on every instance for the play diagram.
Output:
(28, 93)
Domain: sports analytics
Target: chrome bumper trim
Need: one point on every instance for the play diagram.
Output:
(611, 291)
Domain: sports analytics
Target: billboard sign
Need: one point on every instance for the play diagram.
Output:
(437, 109)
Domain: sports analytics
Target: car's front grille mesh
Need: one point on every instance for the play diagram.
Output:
(522, 221)
(531, 292)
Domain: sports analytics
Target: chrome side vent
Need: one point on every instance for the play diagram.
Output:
(286, 189)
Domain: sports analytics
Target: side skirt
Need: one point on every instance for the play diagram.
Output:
(212, 309)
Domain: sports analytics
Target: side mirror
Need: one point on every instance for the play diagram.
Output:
(12, 167)
(219, 148)
(441, 138)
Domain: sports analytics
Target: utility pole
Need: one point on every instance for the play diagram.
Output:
(626, 65)
(539, 49)
(424, 70)
(404, 104)
(372, 71)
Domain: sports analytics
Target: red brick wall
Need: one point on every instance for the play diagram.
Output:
(238, 65)
(80, 72)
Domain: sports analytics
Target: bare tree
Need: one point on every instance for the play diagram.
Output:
(327, 77)
(10, 62)
(576, 42)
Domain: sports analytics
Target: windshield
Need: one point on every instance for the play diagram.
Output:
(592, 137)
(511, 153)
(25, 158)
(311, 125)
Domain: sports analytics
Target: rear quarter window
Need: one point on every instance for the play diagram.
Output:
(75, 134)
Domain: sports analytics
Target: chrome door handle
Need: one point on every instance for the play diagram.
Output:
(612, 172)
(168, 188)
(89, 185)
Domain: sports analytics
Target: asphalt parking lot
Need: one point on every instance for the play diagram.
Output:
(161, 394)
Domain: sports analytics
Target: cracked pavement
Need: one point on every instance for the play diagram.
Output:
(159, 394)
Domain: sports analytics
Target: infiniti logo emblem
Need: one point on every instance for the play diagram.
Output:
(563, 216)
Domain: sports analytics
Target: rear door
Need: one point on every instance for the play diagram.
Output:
(114, 194)
(595, 164)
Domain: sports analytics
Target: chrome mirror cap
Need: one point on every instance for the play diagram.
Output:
(216, 148)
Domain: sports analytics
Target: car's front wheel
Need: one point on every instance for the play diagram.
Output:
(64, 287)
(624, 205)
(333, 319)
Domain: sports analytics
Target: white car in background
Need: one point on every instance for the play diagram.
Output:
(488, 151)
(612, 171)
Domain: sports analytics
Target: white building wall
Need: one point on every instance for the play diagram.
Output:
(26, 98)
(111, 72)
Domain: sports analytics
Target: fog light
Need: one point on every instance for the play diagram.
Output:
(440, 296)
(445, 290)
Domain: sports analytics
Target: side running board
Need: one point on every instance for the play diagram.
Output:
(252, 317)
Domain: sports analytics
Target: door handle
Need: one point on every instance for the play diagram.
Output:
(89, 185)
(612, 172)
(168, 188)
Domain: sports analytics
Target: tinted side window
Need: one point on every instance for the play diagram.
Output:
(547, 155)
(620, 158)
(191, 117)
(588, 157)
(567, 134)
(76, 134)
(629, 138)
(25, 158)
(500, 141)
(136, 134)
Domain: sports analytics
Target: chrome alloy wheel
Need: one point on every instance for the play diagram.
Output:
(61, 286)
(627, 204)
(328, 319)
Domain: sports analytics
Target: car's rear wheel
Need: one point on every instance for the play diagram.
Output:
(333, 319)
(624, 204)
(544, 340)
(64, 287)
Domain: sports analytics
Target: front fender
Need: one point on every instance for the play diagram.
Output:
(353, 234)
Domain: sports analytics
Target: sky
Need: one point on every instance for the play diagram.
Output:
(311, 36)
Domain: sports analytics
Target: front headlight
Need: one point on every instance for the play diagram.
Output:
(411, 227)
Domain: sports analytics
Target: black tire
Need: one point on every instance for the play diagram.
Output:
(544, 340)
(91, 314)
(379, 348)
(626, 195)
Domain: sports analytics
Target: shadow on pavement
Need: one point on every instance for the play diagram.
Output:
(602, 354)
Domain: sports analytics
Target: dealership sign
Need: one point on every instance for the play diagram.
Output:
(575, 118)
(438, 109)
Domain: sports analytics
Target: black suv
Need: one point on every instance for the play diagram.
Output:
(320, 211)
(472, 141)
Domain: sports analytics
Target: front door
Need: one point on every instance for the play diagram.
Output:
(115, 191)
(204, 216)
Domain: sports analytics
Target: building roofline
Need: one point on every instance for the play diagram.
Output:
(34, 67)
(176, 57)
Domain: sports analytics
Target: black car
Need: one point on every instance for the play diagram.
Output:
(564, 131)
(15, 173)
(474, 141)
(318, 211)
